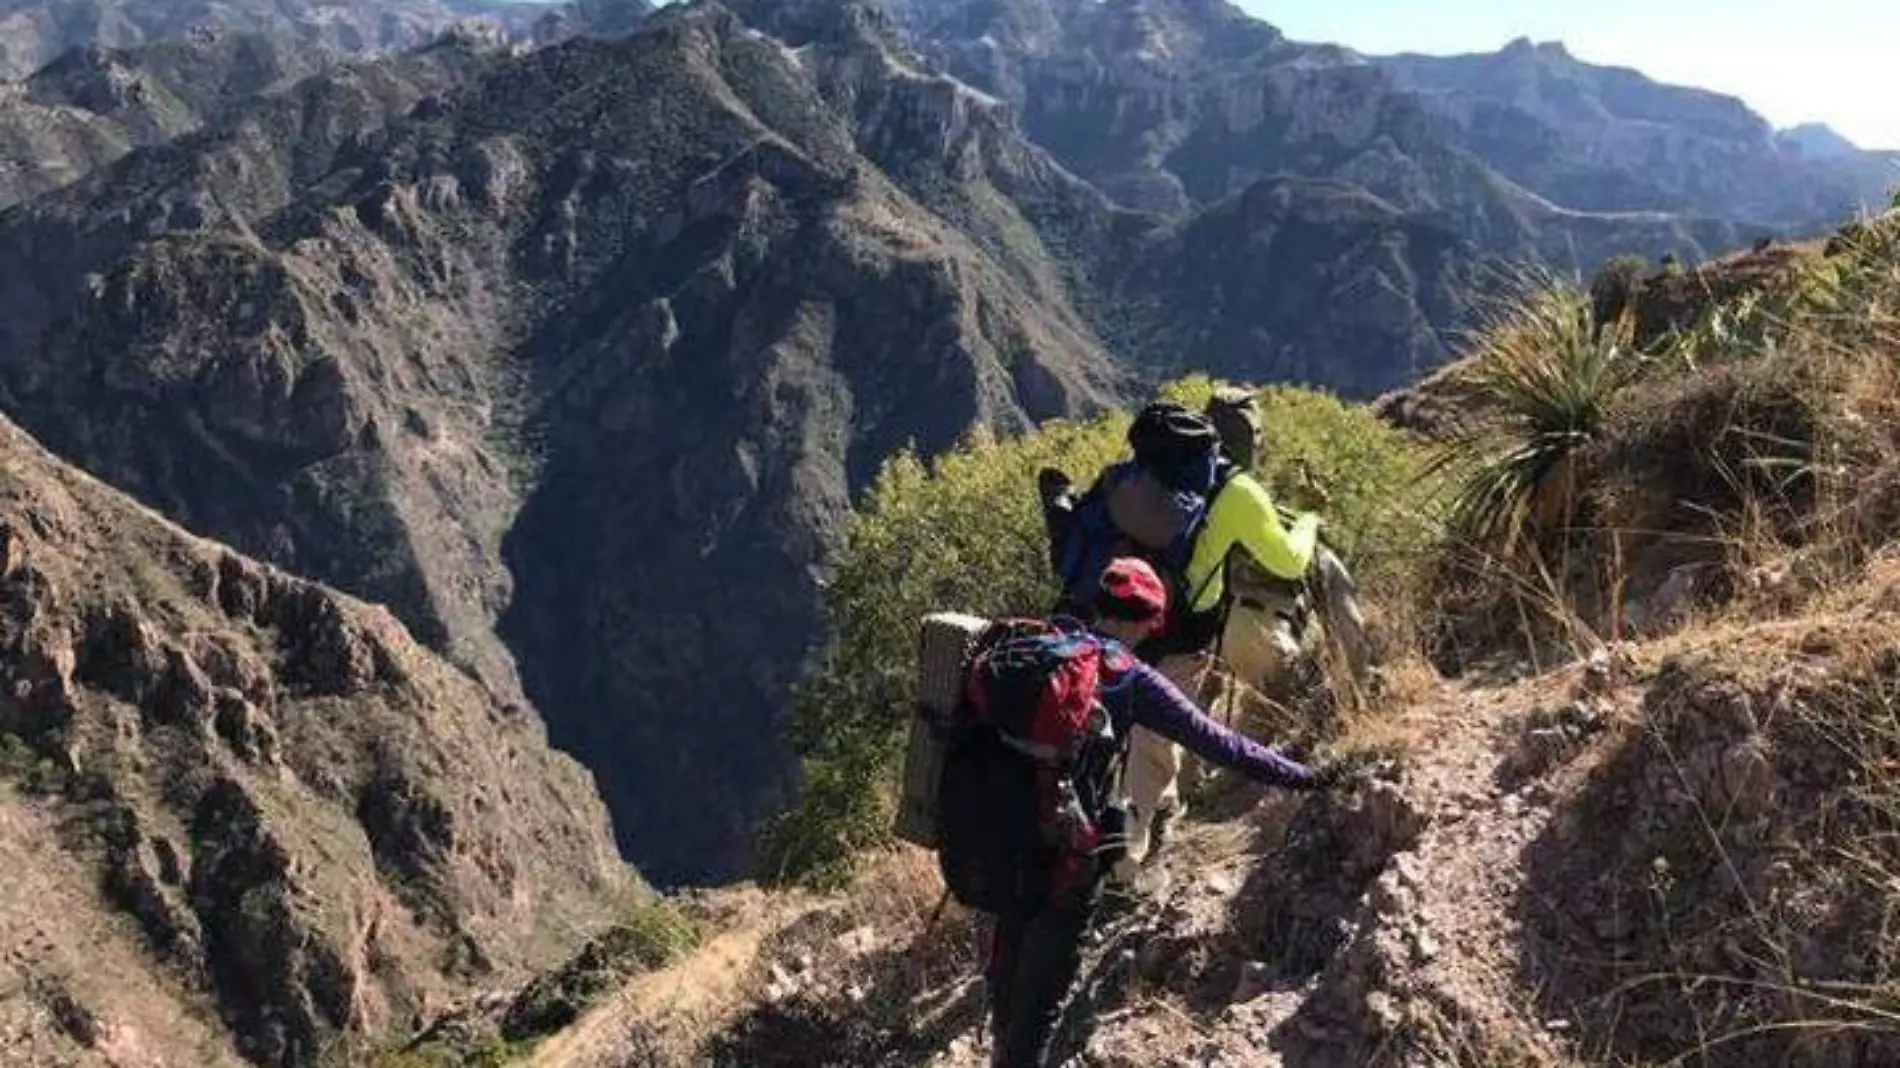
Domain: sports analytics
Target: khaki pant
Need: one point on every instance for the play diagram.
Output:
(1154, 763)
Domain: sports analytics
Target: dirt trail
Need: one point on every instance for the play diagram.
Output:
(1329, 933)
(660, 1017)
(1379, 928)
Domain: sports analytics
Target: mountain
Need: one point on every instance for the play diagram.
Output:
(1610, 139)
(592, 18)
(1302, 281)
(576, 385)
(242, 813)
(1816, 141)
(35, 32)
(1172, 105)
(93, 105)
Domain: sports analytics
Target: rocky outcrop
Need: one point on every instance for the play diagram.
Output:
(317, 828)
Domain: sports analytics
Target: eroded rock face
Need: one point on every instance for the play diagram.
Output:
(1726, 836)
(318, 827)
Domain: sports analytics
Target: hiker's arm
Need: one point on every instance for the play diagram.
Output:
(1160, 706)
(1281, 550)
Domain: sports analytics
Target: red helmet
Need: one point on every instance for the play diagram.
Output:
(1130, 590)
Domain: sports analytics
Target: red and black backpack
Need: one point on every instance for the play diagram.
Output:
(1028, 800)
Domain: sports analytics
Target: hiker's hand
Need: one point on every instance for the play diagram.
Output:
(1336, 776)
(1348, 773)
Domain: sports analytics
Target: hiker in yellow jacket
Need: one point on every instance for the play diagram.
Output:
(1241, 520)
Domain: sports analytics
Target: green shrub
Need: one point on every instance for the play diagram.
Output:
(651, 936)
(656, 933)
(965, 533)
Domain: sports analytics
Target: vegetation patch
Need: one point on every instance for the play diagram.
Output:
(652, 935)
(964, 532)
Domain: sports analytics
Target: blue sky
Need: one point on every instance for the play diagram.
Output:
(1835, 61)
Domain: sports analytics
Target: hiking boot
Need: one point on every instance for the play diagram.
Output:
(1133, 882)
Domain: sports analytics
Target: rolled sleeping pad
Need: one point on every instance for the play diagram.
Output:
(944, 640)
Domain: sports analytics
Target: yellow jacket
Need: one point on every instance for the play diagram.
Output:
(1242, 514)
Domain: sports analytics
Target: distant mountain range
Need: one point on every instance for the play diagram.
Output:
(1169, 105)
(571, 336)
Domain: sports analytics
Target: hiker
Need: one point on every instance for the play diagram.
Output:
(1272, 631)
(1041, 917)
(1189, 508)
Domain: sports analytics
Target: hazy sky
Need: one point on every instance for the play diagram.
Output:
(1835, 61)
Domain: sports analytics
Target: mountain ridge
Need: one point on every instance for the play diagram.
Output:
(1127, 95)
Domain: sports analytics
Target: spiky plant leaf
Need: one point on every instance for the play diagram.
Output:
(1544, 375)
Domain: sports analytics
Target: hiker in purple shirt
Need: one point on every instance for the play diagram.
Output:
(1037, 947)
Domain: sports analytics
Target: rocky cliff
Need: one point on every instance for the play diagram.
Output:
(241, 813)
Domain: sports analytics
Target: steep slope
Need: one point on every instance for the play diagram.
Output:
(547, 359)
(248, 807)
(93, 105)
(1609, 139)
(1302, 281)
(237, 173)
(34, 32)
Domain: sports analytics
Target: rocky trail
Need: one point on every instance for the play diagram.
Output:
(1383, 927)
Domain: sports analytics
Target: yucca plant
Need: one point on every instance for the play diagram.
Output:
(1544, 375)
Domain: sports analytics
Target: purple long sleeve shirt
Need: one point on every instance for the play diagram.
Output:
(1135, 693)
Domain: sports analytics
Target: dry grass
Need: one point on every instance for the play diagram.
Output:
(1752, 476)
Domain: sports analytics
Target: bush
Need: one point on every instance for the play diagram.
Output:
(965, 533)
(1617, 288)
(653, 935)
